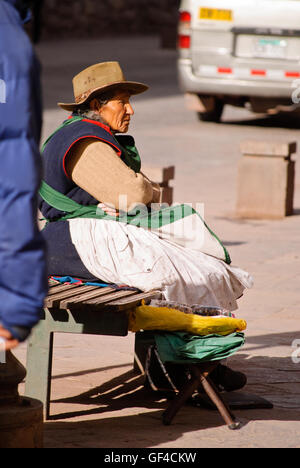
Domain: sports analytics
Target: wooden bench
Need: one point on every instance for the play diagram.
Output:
(77, 308)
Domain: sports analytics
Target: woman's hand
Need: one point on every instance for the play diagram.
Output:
(7, 341)
(108, 209)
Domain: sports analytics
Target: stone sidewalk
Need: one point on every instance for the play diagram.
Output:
(97, 400)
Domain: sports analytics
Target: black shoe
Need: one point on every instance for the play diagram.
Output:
(227, 379)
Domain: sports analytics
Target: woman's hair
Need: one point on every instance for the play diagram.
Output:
(85, 109)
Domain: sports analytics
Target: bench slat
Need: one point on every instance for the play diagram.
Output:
(56, 288)
(83, 297)
(77, 296)
(108, 297)
(54, 300)
(133, 301)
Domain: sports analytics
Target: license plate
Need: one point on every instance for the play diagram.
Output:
(215, 14)
(270, 48)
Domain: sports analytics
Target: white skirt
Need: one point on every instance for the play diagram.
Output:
(121, 253)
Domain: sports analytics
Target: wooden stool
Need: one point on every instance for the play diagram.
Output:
(200, 376)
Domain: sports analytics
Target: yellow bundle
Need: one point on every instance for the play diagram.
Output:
(164, 318)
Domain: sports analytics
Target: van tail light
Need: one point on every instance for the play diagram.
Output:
(184, 42)
(185, 19)
(184, 38)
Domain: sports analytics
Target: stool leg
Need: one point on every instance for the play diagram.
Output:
(216, 398)
(185, 393)
(179, 401)
(39, 365)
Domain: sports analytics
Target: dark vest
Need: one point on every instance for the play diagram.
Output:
(54, 159)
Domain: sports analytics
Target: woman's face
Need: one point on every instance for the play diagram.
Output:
(117, 112)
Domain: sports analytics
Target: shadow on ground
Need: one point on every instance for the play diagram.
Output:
(288, 120)
(275, 378)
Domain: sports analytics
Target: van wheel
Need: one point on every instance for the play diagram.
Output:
(213, 115)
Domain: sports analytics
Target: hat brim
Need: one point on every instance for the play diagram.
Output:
(132, 87)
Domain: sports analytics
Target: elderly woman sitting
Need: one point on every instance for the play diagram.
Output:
(90, 161)
(92, 166)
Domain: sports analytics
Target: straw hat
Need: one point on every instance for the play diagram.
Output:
(100, 78)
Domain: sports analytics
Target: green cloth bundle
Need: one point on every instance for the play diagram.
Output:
(183, 348)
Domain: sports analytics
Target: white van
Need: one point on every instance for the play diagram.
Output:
(239, 52)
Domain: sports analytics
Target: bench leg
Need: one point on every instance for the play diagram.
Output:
(142, 342)
(39, 365)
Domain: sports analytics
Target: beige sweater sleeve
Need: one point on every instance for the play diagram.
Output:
(95, 167)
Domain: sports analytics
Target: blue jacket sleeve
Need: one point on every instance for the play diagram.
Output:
(23, 281)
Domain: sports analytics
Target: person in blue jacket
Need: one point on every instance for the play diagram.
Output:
(23, 281)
